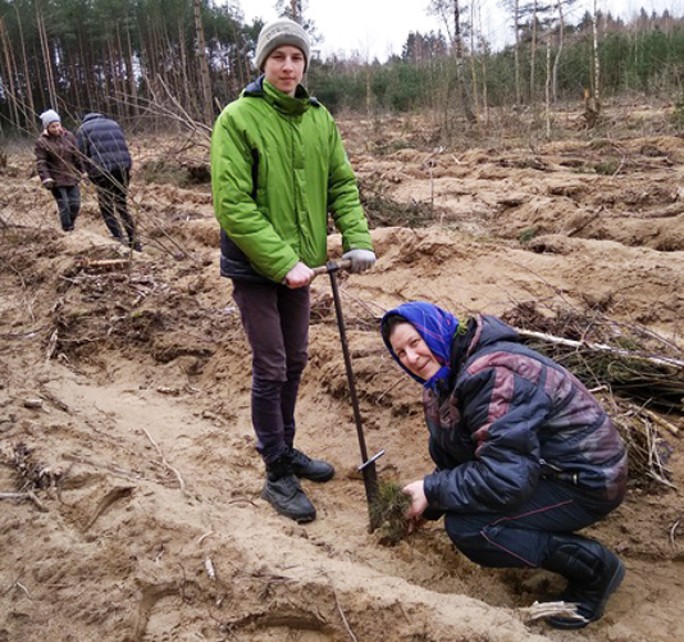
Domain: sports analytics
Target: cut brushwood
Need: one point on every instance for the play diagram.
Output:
(630, 360)
(599, 347)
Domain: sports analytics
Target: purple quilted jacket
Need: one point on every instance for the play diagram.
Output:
(509, 416)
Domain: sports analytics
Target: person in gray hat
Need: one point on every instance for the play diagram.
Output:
(60, 167)
(278, 168)
(281, 32)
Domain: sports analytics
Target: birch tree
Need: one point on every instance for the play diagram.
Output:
(561, 6)
(597, 63)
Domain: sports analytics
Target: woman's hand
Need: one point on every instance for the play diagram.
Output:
(416, 491)
(299, 276)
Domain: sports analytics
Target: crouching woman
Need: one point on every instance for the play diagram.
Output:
(525, 455)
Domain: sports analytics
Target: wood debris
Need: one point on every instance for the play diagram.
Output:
(543, 610)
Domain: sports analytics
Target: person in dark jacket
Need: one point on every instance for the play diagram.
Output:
(60, 167)
(108, 162)
(525, 455)
(278, 168)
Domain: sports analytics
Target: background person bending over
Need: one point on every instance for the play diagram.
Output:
(278, 168)
(60, 167)
(108, 161)
(525, 455)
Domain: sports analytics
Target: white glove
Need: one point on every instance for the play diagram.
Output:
(361, 260)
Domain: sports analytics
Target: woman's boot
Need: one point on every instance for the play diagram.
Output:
(593, 574)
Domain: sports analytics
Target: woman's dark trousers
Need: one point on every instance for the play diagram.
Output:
(68, 201)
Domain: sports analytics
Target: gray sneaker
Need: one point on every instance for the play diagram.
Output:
(287, 497)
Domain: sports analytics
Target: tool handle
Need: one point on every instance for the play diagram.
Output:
(332, 266)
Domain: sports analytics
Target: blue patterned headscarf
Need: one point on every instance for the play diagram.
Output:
(435, 326)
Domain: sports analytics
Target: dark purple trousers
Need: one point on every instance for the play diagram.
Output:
(276, 322)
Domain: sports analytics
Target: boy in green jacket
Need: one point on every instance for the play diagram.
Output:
(278, 169)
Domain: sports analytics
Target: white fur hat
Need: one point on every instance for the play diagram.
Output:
(49, 116)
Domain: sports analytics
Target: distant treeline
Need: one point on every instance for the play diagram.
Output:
(647, 60)
(158, 60)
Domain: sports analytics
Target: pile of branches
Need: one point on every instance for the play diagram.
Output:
(639, 373)
(632, 361)
(649, 451)
(384, 211)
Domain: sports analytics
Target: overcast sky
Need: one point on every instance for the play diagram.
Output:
(379, 28)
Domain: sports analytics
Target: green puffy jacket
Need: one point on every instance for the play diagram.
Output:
(278, 167)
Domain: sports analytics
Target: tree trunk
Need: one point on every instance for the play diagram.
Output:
(77, 90)
(597, 65)
(30, 104)
(369, 92)
(473, 63)
(561, 42)
(516, 53)
(592, 103)
(169, 67)
(185, 84)
(205, 78)
(547, 86)
(9, 76)
(483, 53)
(47, 57)
(121, 72)
(460, 75)
(133, 85)
(87, 63)
(153, 56)
(533, 54)
(113, 79)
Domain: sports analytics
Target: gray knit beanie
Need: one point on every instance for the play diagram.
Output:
(278, 33)
(49, 116)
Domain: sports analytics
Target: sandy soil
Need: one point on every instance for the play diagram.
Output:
(124, 399)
